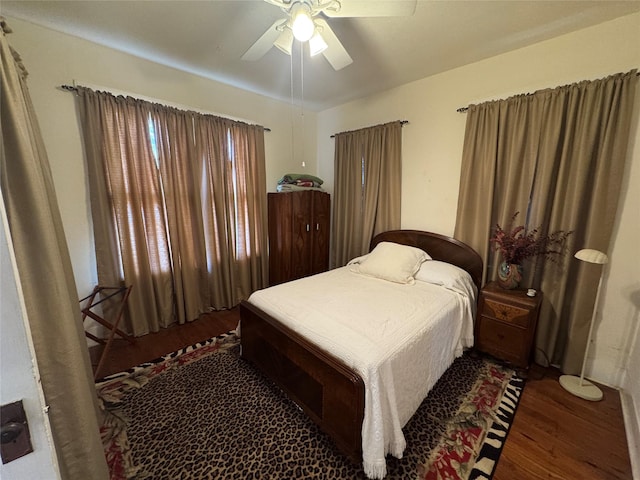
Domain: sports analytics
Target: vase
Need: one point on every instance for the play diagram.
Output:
(509, 275)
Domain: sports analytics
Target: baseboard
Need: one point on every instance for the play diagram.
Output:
(632, 427)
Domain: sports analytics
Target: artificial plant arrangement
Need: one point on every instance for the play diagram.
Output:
(516, 244)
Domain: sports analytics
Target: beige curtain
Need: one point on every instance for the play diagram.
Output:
(129, 219)
(47, 280)
(368, 184)
(234, 208)
(556, 156)
(183, 262)
(187, 239)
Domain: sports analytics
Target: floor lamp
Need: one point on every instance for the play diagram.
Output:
(578, 385)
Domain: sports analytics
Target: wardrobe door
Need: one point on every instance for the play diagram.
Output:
(302, 234)
(321, 212)
(280, 227)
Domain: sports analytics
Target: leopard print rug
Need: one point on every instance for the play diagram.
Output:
(204, 413)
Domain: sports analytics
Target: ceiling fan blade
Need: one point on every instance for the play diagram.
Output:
(264, 43)
(373, 8)
(335, 53)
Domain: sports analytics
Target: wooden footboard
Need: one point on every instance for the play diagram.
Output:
(328, 391)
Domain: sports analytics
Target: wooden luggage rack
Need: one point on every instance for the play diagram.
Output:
(99, 295)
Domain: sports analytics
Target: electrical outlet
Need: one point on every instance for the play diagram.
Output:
(15, 440)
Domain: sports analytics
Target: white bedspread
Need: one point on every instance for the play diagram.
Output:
(399, 338)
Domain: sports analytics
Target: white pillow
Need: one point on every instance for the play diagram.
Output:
(391, 261)
(448, 276)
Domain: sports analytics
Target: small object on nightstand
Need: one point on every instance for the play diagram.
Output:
(506, 323)
(531, 292)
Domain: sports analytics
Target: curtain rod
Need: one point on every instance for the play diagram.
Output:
(73, 88)
(465, 109)
(402, 123)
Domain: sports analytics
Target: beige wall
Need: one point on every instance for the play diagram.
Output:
(432, 147)
(66, 59)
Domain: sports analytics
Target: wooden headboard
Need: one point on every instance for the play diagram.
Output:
(439, 247)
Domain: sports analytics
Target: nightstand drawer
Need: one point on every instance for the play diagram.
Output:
(503, 341)
(507, 313)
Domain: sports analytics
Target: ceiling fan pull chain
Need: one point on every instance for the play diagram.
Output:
(302, 101)
(292, 109)
(302, 81)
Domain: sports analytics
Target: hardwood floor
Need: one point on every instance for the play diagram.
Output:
(123, 355)
(554, 435)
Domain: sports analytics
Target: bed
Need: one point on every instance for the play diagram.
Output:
(339, 347)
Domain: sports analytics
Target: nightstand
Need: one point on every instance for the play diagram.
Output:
(506, 323)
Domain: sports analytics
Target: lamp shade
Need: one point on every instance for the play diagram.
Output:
(285, 41)
(317, 44)
(592, 256)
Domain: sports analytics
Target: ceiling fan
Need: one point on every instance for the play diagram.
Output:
(305, 22)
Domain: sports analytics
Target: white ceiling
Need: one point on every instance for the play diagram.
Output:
(209, 37)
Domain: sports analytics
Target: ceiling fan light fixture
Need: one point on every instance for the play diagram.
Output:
(317, 44)
(301, 22)
(285, 41)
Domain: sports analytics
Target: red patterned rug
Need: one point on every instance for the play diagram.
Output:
(203, 413)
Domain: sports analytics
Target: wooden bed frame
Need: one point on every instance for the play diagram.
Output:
(328, 391)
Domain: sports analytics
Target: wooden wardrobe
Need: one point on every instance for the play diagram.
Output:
(298, 234)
